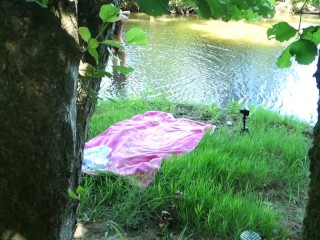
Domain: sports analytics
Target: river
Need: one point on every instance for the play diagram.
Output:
(193, 60)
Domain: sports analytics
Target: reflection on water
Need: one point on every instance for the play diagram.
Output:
(206, 61)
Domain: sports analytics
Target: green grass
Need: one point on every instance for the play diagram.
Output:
(230, 183)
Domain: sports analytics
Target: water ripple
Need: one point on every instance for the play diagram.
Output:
(185, 64)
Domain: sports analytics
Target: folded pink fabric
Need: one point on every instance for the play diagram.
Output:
(140, 144)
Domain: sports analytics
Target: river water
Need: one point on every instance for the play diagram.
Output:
(211, 62)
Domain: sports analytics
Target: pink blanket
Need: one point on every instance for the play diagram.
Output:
(140, 144)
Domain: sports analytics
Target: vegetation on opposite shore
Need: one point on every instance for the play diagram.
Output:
(230, 183)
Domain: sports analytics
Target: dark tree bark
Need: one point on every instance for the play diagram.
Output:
(312, 218)
(38, 77)
(43, 121)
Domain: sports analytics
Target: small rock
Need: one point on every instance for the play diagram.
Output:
(229, 123)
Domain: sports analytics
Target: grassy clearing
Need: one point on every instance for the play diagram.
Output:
(230, 183)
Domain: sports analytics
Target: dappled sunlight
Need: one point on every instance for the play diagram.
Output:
(249, 32)
(71, 27)
(12, 235)
(255, 33)
(80, 231)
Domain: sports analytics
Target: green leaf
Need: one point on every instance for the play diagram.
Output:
(205, 9)
(154, 7)
(221, 9)
(90, 69)
(311, 33)
(242, 5)
(315, 1)
(85, 33)
(93, 43)
(282, 31)
(237, 14)
(79, 189)
(284, 60)
(109, 13)
(101, 73)
(93, 97)
(230, 9)
(251, 16)
(266, 10)
(124, 70)
(272, 2)
(72, 194)
(92, 72)
(42, 3)
(305, 51)
(93, 52)
(136, 36)
(113, 43)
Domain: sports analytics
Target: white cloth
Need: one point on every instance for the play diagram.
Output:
(96, 157)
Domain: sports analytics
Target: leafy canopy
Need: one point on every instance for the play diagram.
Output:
(154, 7)
(233, 9)
(217, 9)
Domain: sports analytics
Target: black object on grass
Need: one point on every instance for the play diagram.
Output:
(245, 112)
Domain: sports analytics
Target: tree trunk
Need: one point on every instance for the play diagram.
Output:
(43, 120)
(312, 218)
(38, 136)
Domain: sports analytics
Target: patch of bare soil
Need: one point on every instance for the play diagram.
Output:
(292, 210)
(99, 231)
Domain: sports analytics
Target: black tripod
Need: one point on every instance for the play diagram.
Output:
(245, 113)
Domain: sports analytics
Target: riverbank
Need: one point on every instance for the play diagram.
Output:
(230, 183)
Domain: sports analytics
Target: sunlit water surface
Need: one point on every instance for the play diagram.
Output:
(211, 62)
